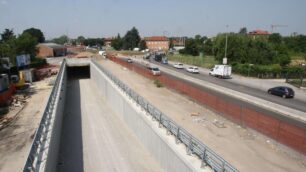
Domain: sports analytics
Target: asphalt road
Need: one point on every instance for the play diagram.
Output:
(95, 139)
(291, 103)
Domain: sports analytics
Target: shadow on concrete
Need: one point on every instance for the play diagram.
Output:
(71, 147)
(78, 72)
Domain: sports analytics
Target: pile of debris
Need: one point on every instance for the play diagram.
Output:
(42, 73)
(19, 100)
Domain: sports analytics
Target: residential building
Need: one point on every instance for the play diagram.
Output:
(259, 33)
(108, 42)
(157, 43)
(51, 50)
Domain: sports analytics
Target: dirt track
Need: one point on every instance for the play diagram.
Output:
(16, 138)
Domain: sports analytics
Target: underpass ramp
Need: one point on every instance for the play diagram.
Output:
(93, 138)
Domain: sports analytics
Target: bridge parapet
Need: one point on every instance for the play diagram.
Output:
(45, 146)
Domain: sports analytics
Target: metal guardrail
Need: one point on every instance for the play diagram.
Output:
(41, 140)
(193, 145)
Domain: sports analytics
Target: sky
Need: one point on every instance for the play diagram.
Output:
(107, 18)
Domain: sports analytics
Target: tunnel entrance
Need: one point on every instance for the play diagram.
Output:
(78, 72)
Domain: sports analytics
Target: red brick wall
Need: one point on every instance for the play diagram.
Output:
(282, 131)
(44, 51)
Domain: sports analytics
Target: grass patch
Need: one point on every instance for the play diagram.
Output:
(128, 53)
(206, 61)
(157, 83)
(297, 82)
(297, 56)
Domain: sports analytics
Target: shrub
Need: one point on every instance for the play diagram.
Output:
(158, 83)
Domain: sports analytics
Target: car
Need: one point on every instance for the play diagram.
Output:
(282, 91)
(178, 65)
(193, 69)
(155, 71)
(129, 60)
(164, 61)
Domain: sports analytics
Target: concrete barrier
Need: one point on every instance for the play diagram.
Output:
(163, 147)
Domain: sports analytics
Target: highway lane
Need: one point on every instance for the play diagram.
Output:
(291, 103)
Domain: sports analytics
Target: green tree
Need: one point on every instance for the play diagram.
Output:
(142, 45)
(61, 40)
(7, 34)
(208, 47)
(275, 38)
(36, 33)
(117, 43)
(131, 39)
(26, 44)
(190, 47)
(243, 31)
(80, 40)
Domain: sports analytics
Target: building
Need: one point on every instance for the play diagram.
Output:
(51, 50)
(108, 42)
(157, 43)
(259, 33)
(178, 42)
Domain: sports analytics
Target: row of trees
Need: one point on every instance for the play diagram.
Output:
(25, 43)
(130, 41)
(245, 49)
(81, 40)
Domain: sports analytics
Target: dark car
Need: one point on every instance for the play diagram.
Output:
(282, 91)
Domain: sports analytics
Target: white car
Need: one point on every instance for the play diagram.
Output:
(193, 69)
(129, 60)
(155, 71)
(178, 65)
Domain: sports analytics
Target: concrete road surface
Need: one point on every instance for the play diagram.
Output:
(95, 139)
(249, 87)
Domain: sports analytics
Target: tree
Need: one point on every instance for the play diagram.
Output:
(243, 31)
(117, 42)
(61, 40)
(208, 47)
(26, 44)
(80, 40)
(142, 45)
(36, 33)
(275, 38)
(190, 48)
(7, 34)
(131, 39)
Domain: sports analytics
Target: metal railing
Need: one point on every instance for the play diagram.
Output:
(40, 144)
(193, 145)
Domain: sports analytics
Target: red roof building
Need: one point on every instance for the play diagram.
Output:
(259, 32)
(108, 42)
(157, 43)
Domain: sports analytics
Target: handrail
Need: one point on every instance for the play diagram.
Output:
(40, 142)
(193, 145)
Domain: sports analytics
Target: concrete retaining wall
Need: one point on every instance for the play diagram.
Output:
(280, 128)
(172, 157)
(51, 161)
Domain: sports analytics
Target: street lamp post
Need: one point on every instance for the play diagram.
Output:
(225, 53)
(249, 69)
(302, 78)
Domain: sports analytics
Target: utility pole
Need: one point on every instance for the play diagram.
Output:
(225, 53)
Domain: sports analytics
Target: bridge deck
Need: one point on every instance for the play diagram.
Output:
(95, 139)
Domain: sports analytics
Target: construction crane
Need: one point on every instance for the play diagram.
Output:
(273, 26)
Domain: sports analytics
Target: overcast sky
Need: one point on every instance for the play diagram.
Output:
(105, 18)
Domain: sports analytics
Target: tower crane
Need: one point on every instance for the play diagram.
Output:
(273, 26)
